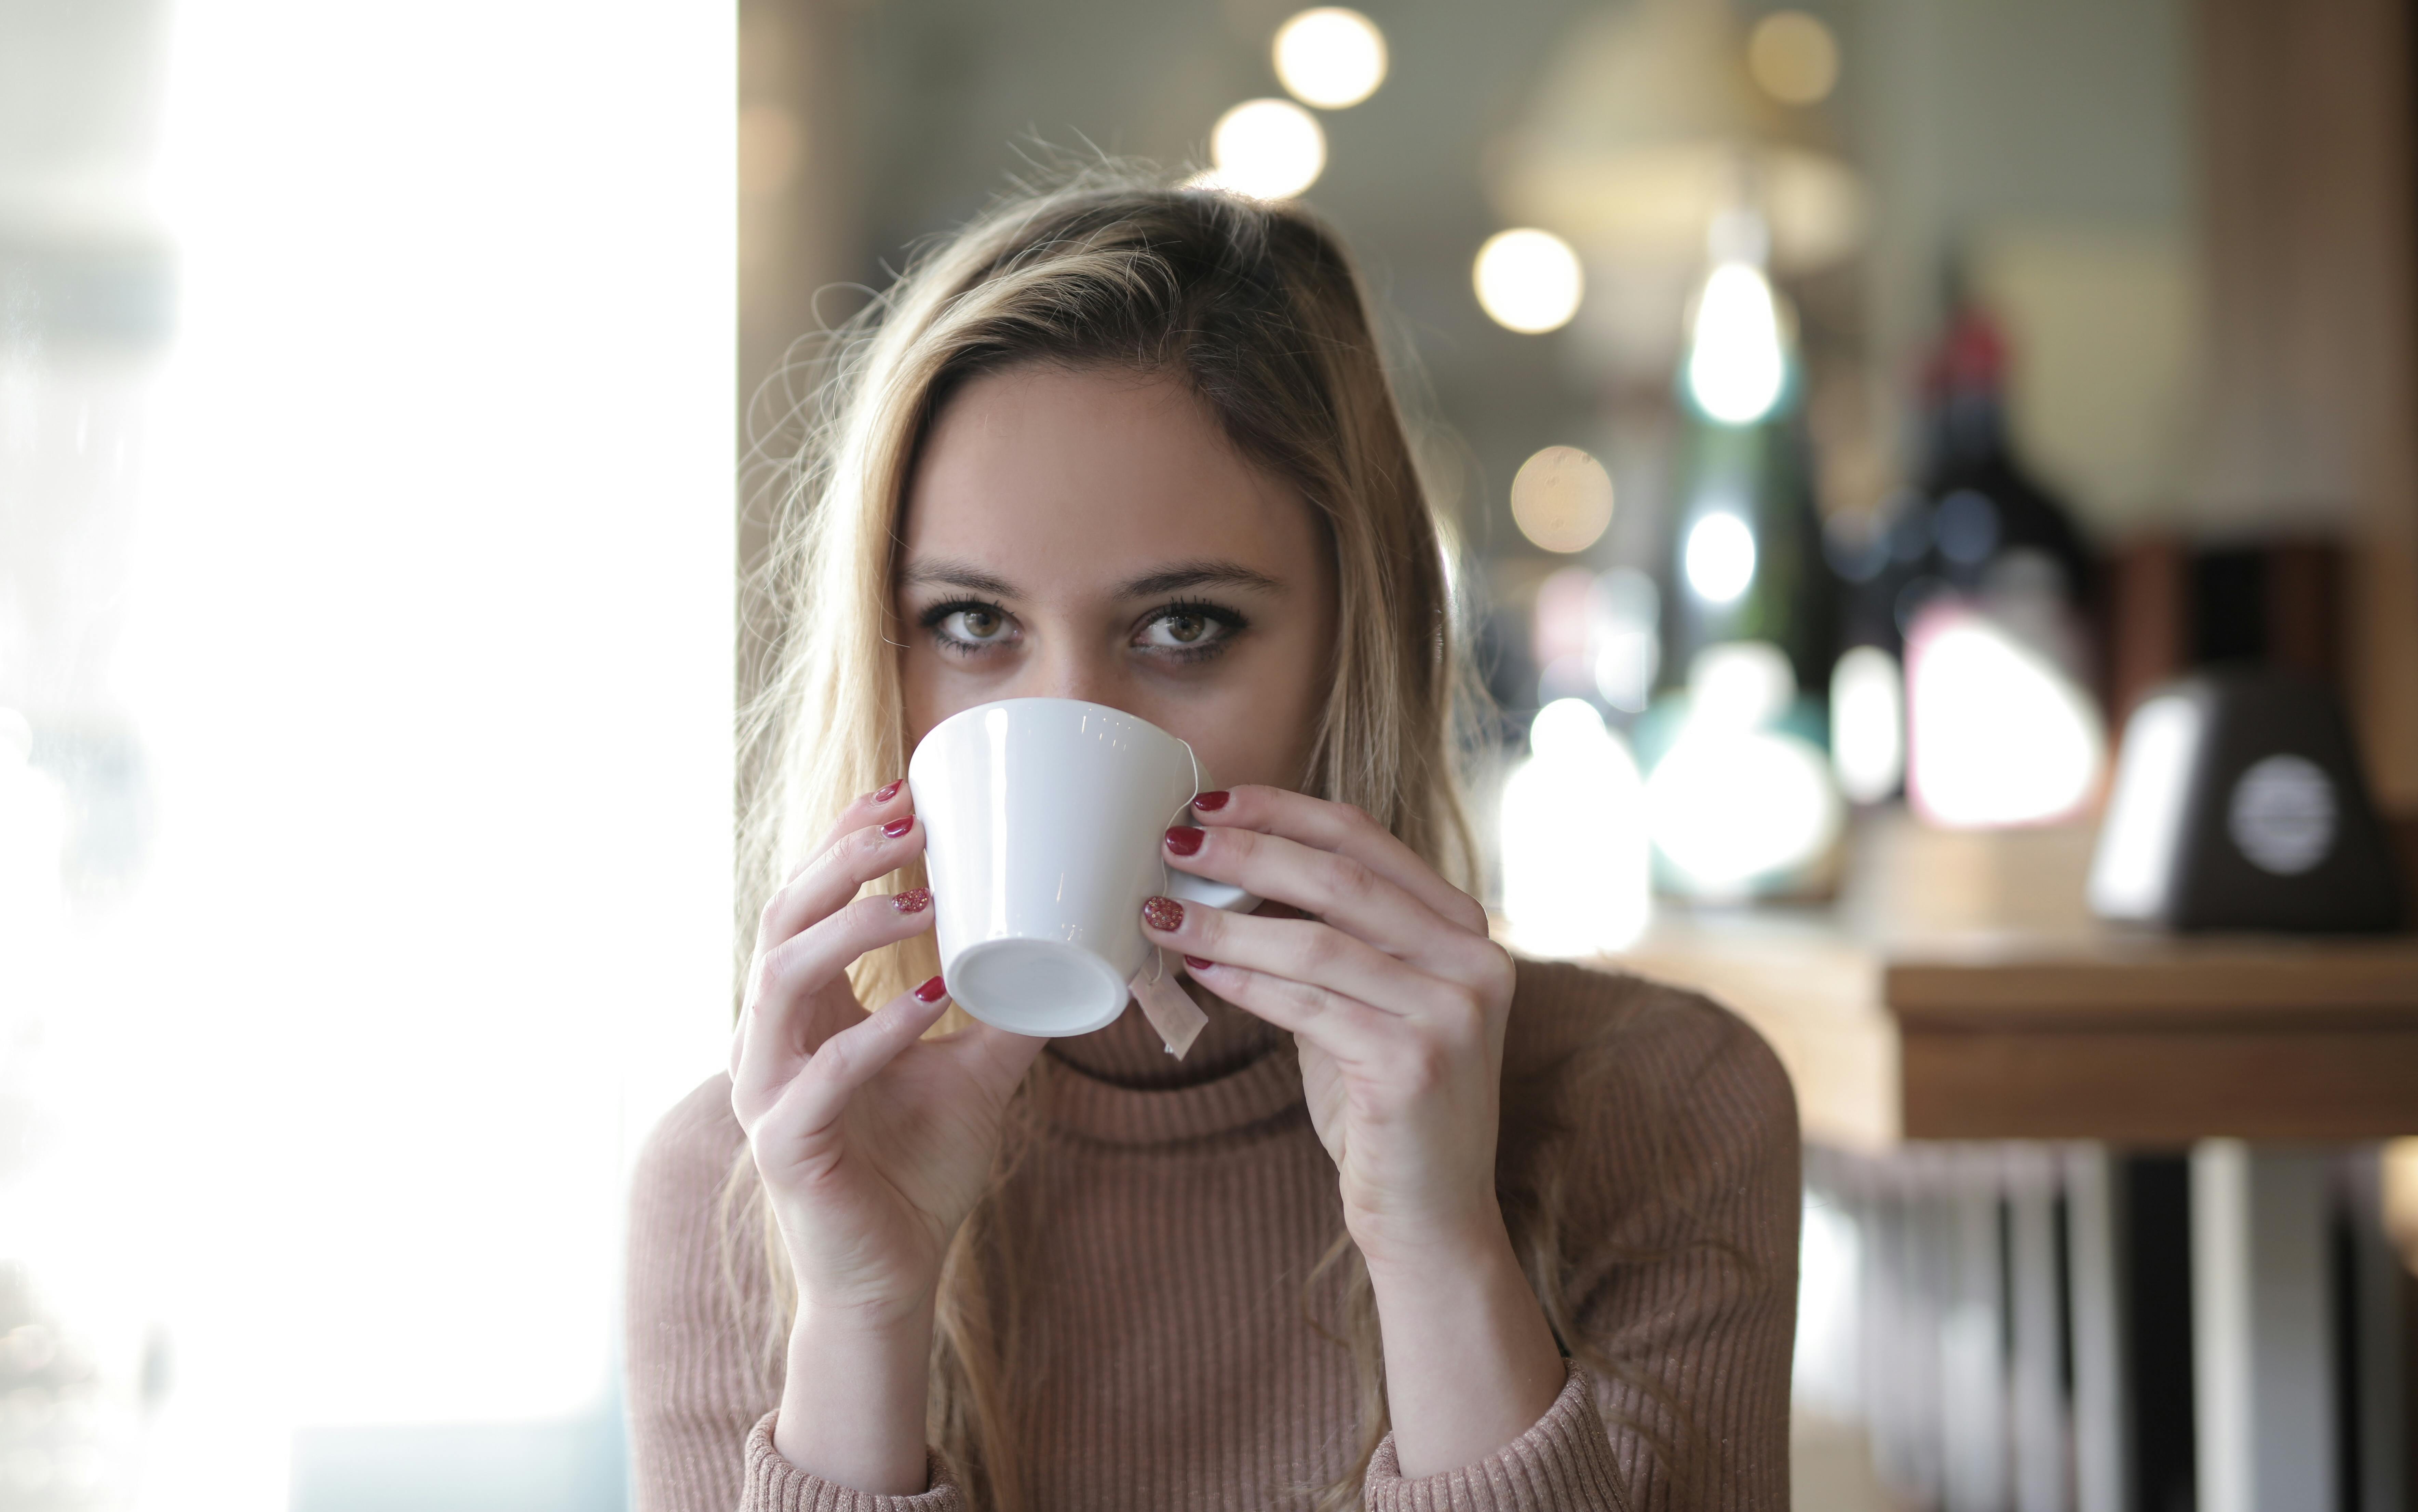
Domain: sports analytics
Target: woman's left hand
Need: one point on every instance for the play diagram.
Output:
(1398, 1002)
(1390, 987)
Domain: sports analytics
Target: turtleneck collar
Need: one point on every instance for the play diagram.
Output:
(1119, 1086)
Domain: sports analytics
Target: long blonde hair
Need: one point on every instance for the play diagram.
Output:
(1258, 308)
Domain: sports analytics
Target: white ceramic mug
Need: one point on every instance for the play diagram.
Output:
(1043, 823)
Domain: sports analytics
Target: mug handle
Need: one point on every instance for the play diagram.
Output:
(1192, 889)
(1187, 888)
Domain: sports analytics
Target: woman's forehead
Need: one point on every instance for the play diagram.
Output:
(1094, 479)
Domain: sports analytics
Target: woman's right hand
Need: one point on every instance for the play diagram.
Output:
(873, 1143)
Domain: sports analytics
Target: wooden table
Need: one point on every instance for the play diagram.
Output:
(2148, 1041)
(2085, 1034)
(2262, 1056)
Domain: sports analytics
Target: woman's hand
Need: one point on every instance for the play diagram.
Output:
(1398, 1002)
(1392, 988)
(873, 1144)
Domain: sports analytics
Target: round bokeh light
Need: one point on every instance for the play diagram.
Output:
(1561, 498)
(1330, 57)
(1720, 557)
(1794, 57)
(1528, 280)
(1269, 149)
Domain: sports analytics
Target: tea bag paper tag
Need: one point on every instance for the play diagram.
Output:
(1169, 1008)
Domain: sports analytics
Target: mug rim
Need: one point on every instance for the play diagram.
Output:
(974, 710)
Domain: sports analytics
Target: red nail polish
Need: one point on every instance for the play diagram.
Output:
(1163, 914)
(915, 900)
(1197, 964)
(932, 992)
(1185, 839)
(898, 826)
(1211, 803)
(887, 791)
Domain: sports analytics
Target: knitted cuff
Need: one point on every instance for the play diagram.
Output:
(1563, 1464)
(774, 1485)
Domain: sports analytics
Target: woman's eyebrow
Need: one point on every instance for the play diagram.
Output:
(957, 576)
(1182, 575)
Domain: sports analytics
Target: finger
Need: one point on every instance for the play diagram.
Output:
(831, 879)
(1305, 950)
(886, 801)
(789, 977)
(1334, 888)
(1350, 1030)
(1345, 830)
(854, 1056)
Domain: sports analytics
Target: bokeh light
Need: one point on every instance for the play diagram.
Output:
(1575, 876)
(1738, 685)
(1998, 734)
(1737, 804)
(1624, 638)
(1794, 57)
(1561, 498)
(1736, 365)
(1720, 557)
(1528, 280)
(1867, 724)
(1269, 149)
(1330, 57)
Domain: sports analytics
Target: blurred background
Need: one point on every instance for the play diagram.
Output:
(1935, 492)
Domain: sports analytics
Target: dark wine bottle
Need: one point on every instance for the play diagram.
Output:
(1977, 525)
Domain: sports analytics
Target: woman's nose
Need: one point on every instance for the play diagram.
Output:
(1071, 673)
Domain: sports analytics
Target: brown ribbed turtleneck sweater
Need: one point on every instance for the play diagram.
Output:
(1184, 1205)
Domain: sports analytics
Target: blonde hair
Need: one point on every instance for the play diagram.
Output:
(1258, 308)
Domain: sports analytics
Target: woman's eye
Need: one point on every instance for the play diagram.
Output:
(975, 626)
(1185, 630)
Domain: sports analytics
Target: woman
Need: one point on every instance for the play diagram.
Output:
(1409, 1224)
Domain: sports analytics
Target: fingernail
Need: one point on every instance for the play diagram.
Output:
(898, 826)
(887, 791)
(1212, 802)
(1197, 964)
(1165, 915)
(915, 900)
(1186, 839)
(932, 992)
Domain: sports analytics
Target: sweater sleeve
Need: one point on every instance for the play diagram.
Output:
(1685, 1200)
(704, 1375)
(698, 1377)
(774, 1485)
(1679, 1155)
(1565, 1461)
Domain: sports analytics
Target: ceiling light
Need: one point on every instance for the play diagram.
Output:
(1330, 57)
(1528, 280)
(1794, 57)
(1561, 498)
(1269, 149)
